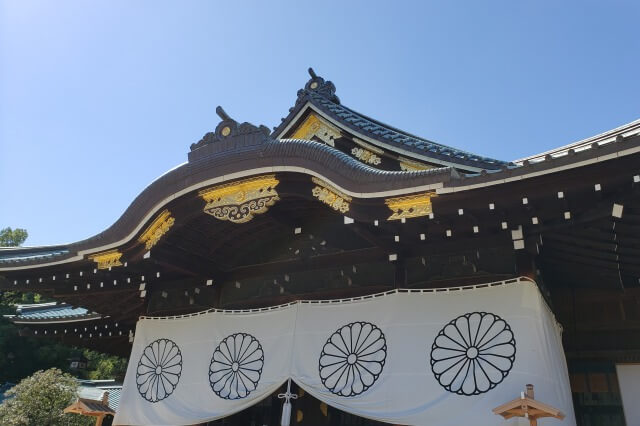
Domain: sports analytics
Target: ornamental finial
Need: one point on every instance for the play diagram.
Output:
(230, 129)
(222, 113)
(317, 84)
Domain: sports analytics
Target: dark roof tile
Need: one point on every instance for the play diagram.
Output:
(322, 94)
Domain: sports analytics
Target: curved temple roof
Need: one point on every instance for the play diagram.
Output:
(236, 150)
(320, 94)
(331, 188)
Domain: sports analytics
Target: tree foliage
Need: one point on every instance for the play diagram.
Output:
(102, 366)
(12, 237)
(21, 356)
(39, 400)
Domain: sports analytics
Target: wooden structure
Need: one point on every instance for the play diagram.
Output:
(92, 408)
(526, 406)
(333, 204)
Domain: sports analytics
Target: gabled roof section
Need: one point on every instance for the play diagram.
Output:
(614, 135)
(96, 389)
(49, 313)
(18, 255)
(319, 95)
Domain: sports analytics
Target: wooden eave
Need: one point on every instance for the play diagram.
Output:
(89, 407)
(360, 178)
(53, 320)
(535, 409)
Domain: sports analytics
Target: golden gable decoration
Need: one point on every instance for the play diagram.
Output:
(107, 259)
(240, 201)
(412, 166)
(157, 229)
(366, 156)
(330, 196)
(314, 126)
(410, 206)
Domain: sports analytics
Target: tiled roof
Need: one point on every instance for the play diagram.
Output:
(615, 135)
(55, 311)
(25, 254)
(399, 138)
(115, 392)
(95, 389)
(321, 94)
(41, 312)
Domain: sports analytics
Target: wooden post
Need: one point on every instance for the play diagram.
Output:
(99, 420)
(526, 406)
(530, 394)
(530, 391)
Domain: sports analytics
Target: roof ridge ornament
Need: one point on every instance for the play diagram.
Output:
(317, 84)
(229, 129)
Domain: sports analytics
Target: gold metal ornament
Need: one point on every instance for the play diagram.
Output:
(410, 206)
(240, 201)
(366, 156)
(107, 259)
(330, 196)
(157, 229)
(412, 166)
(315, 126)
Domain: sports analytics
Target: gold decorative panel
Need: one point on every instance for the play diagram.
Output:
(240, 201)
(330, 196)
(410, 206)
(157, 229)
(314, 126)
(412, 166)
(107, 259)
(366, 156)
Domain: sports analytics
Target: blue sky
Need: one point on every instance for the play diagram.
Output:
(99, 98)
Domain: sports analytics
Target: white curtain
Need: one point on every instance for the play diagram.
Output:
(629, 382)
(404, 357)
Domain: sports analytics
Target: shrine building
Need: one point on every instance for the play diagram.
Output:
(339, 271)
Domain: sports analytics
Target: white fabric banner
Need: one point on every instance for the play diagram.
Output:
(629, 382)
(406, 357)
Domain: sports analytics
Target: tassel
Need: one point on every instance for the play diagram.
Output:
(286, 414)
(285, 420)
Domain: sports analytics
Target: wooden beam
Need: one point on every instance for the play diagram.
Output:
(316, 262)
(189, 264)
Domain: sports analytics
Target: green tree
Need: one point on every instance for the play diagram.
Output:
(21, 356)
(39, 400)
(12, 237)
(103, 366)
